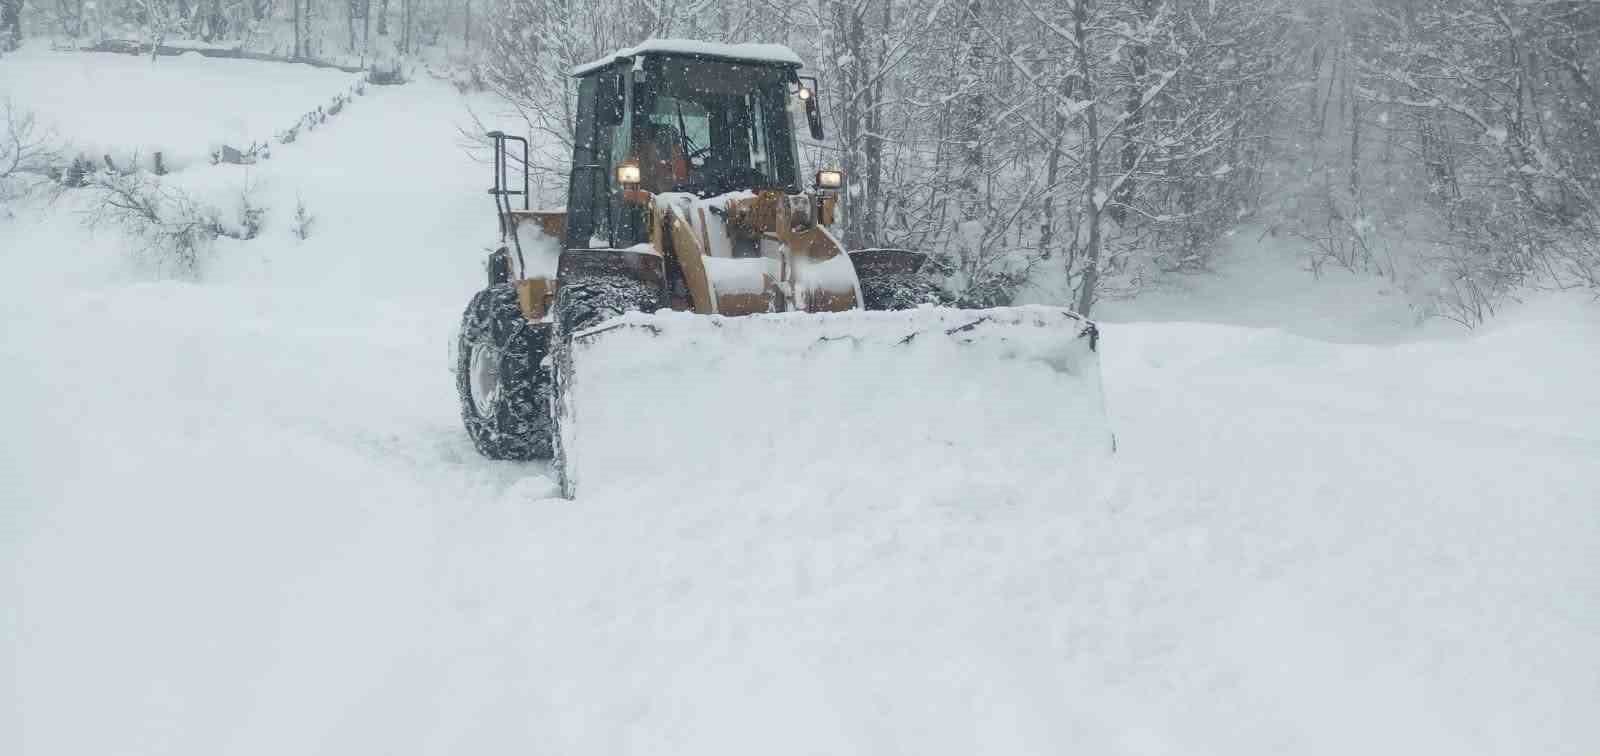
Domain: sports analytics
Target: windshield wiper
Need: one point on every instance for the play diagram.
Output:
(683, 130)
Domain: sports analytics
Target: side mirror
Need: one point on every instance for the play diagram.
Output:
(808, 95)
(608, 100)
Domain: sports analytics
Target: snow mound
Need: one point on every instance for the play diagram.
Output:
(860, 398)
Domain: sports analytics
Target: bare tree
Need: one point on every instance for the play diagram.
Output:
(27, 153)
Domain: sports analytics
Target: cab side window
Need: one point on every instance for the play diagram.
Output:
(589, 191)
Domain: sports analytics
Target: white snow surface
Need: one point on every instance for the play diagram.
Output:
(241, 517)
(753, 51)
(183, 106)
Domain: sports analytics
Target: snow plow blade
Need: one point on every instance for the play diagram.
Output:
(730, 405)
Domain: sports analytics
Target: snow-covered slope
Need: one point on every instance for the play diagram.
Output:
(184, 107)
(241, 517)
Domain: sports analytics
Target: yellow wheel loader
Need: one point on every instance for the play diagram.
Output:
(686, 195)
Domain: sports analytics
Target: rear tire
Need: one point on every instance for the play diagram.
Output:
(581, 304)
(501, 378)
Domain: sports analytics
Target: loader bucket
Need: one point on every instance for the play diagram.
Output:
(727, 405)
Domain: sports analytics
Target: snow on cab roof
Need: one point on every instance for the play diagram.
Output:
(764, 53)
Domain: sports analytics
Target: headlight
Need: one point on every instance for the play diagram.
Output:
(628, 173)
(829, 178)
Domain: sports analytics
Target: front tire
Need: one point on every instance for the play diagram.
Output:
(501, 377)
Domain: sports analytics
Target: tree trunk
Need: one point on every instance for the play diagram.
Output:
(969, 129)
(218, 25)
(1311, 91)
(853, 101)
(1355, 146)
(1047, 231)
(1091, 159)
(71, 13)
(1321, 124)
(1139, 60)
(873, 144)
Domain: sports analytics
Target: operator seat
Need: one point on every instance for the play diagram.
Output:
(662, 163)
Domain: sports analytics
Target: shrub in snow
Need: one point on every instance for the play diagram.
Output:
(251, 215)
(78, 172)
(171, 228)
(303, 220)
(173, 231)
(387, 73)
(468, 78)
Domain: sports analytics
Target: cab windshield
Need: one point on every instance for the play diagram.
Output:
(711, 127)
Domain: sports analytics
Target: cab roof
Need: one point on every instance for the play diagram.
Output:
(767, 54)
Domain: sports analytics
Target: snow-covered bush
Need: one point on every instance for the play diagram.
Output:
(173, 230)
(388, 73)
(27, 152)
(77, 172)
(250, 216)
(303, 220)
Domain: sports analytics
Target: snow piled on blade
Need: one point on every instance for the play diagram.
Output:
(893, 402)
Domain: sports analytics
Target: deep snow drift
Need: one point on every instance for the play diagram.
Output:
(241, 517)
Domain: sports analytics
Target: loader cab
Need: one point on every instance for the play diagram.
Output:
(693, 122)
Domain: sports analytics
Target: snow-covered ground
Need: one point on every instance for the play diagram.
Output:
(241, 517)
(1263, 280)
(184, 107)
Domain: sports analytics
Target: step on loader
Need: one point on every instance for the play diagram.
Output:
(606, 333)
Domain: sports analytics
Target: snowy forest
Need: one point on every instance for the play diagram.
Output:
(1069, 151)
